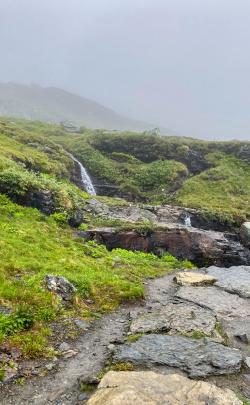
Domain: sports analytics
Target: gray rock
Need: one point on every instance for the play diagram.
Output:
(245, 233)
(235, 279)
(225, 305)
(238, 329)
(247, 362)
(83, 397)
(176, 318)
(199, 358)
(61, 286)
(64, 347)
(83, 325)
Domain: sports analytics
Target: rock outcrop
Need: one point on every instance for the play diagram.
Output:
(199, 246)
(150, 388)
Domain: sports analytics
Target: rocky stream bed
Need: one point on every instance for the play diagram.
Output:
(188, 343)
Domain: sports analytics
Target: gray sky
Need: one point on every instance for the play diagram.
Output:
(182, 64)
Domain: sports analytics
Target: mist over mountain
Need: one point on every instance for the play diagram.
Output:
(52, 104)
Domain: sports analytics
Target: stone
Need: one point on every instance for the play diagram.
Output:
(197, 357)
(175, 318)
(245, 233)
(238, 329)
(64, 347)
(225, 305)
(61, 286)
(193, 278)
(235, 279)
(247, 362)
(150, 388)
(83, 325)
(10, 372)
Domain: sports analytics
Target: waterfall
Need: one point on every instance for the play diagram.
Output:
(187, 221)
(86, 180)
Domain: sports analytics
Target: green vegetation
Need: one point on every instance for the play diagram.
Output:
(211, 176)
(33, 245)
(225, 188)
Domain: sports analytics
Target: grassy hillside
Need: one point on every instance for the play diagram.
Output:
(213, 176)
(34, 245)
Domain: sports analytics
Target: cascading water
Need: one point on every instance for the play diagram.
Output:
(86, 180)
(187, 221)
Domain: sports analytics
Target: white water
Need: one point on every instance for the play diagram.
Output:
(187, 221)
(86, 180)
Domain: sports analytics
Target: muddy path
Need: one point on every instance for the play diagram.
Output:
(183, 318)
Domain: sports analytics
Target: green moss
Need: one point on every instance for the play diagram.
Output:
(134, 338)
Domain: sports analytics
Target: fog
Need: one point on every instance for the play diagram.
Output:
(180, 64)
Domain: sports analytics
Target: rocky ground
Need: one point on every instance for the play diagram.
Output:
(188, 343)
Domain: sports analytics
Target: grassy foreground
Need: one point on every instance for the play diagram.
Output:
(32, 246)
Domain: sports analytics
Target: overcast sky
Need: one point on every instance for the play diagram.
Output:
(181, 64)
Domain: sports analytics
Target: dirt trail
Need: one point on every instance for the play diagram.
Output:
(107, 337)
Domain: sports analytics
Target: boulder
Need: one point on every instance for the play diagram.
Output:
(176, 318)
(197, 357)
(148, 387)
(193, 278)
(60, 286)
(235, 279)
(245, 234)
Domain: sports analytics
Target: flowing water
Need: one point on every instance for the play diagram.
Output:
(187, 221)
(86, 180)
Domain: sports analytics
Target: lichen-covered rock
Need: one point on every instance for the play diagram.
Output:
(175, 318)
(150, 388)
(61, 286)
(193, 278)
(197, 357)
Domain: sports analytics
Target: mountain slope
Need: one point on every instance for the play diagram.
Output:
(54, 105)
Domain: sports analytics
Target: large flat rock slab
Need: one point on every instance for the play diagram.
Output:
(197, 357)
(224, 304)
(176, 318)
(147, 387)
(235, 279)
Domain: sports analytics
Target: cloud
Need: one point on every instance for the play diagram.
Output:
(181, 64)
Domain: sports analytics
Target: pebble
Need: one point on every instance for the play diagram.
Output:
(64, 347)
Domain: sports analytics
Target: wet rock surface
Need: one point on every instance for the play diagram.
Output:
(175, 318)
(147, 387)
(198, 357)
(224, 304)
(234, 279)
(200, 246)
